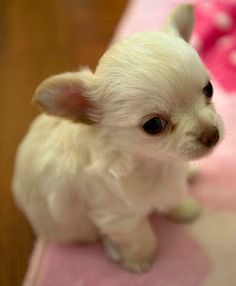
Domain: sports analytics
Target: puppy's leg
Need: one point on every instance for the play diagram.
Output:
(131, 244)
(188, 209)
(179, 204)
(136, 249)
(82, 230)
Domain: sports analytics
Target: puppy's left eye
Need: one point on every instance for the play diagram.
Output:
(208, 90)
(154, 126)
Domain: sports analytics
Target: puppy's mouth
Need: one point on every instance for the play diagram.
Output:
(197, 152)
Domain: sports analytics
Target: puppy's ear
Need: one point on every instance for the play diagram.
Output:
(70, 95)
(181, 21)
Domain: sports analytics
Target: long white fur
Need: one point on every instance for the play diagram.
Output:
(80, 181)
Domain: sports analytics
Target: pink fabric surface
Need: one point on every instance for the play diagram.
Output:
(87, 265)
(202, 253)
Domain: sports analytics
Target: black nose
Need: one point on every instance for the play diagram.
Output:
(209, 137)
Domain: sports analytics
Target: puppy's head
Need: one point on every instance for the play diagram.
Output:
(150, 92)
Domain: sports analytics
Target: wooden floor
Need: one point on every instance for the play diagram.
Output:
(38, 38)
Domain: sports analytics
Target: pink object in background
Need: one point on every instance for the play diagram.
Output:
(216, 33)
(199, 254)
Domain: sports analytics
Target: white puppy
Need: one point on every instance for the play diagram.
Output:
(115, 143)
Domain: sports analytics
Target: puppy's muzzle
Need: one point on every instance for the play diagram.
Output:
(209, 137)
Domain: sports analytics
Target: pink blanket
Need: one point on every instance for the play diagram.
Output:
(202, 253)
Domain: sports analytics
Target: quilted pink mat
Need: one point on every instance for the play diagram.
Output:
(202, 253)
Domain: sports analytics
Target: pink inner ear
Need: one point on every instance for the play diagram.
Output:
(75, 102)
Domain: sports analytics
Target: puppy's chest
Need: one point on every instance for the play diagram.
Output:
(146, 182)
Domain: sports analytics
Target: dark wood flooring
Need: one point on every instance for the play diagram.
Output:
(38, 38)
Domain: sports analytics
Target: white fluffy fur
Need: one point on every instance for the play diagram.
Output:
(102, 178)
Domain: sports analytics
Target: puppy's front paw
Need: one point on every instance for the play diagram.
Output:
(131, 258)
(137, 266)
(187, 211)
(111, 249)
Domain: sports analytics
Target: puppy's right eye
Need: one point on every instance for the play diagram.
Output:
(154, 126)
